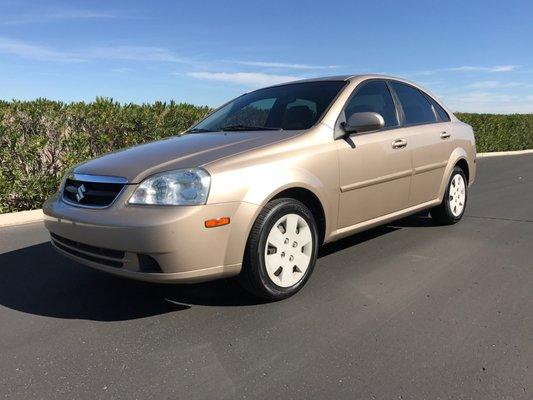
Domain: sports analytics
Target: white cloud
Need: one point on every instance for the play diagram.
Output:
(494, 85)
(485, 101)
(253, 79)
(60, 15)
(131, 53)
(135, 53)
(122, 70)
(497, 68)
(469, 68)
(280, 65)
(36, 52)
(485, 97)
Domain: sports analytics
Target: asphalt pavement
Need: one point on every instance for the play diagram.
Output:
(404, 311)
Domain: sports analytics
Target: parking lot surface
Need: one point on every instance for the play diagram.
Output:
(404, 311)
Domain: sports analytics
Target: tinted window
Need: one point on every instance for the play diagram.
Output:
(416, 107)
(292, 106)
(253, 114)
(443, 115)
(373, 96)
(298, 111)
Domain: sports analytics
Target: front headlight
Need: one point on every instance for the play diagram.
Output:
(182, 187)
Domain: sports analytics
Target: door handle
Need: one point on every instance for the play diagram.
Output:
(444, 135)
(399, 144)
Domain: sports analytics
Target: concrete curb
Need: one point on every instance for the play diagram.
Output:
(27, 217)
(20, 218)
(504, 153)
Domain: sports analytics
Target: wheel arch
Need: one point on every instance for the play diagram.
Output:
(308, 195)
(311, 201)
(459, 158)
(463, 164)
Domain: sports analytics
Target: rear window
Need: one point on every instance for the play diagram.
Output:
(416, 108)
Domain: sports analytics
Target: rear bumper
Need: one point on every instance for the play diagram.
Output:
(156, 244)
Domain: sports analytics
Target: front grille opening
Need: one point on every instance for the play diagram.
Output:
(104, 261)
(86, 247)
(148, 264)
(91, 194)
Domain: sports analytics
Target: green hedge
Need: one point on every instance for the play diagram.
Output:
(40, 139)
(497, 132)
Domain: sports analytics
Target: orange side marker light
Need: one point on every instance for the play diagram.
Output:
(213, 223)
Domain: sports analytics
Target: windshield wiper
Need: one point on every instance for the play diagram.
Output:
(198, 130)
(248, 128)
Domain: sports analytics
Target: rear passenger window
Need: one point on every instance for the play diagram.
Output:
(416, 108)
(443, 115)
(373, 96)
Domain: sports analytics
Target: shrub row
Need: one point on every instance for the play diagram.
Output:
(497, 132)
(41, 139)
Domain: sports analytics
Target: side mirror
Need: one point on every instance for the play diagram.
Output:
(363, 122)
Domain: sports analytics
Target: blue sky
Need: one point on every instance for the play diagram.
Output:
(474, 55)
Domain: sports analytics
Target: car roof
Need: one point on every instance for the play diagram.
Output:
(359, 77)
(340, 78)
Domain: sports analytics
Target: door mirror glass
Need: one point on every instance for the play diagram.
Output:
(365, 121)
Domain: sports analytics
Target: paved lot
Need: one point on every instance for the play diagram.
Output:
(406, 311)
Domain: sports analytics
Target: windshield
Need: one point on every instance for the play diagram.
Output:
(291, 107)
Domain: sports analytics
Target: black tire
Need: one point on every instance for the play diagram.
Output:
(442, 214)
(254, 276)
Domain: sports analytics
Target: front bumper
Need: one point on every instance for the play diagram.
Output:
(121, 239)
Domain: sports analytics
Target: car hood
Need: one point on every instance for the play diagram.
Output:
(185, 151)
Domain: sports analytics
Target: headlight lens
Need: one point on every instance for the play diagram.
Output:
(185, 187)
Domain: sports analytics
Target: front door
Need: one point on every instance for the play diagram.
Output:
(375, 167)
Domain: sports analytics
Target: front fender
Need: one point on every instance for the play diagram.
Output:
(277, 180)
(261, 194)
(260, 183)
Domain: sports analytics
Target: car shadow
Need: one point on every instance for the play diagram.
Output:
(354, 240)
(418, 220)
(37, 280)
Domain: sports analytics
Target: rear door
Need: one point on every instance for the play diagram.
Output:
(375, 167)
(427, 130)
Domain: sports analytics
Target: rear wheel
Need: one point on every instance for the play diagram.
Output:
(281, 250)
(453, 205)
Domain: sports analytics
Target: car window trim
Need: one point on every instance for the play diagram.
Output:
(397, 104)
(354, 92)
(427, 97)
(430, 99)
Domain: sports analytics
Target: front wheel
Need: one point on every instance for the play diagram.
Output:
(281, 250)
(453, 204)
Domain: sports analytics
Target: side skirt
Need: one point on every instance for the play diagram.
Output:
(350, 230)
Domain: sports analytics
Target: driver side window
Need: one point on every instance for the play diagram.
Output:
(373, 96)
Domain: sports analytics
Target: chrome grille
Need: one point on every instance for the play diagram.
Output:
(92, 190)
